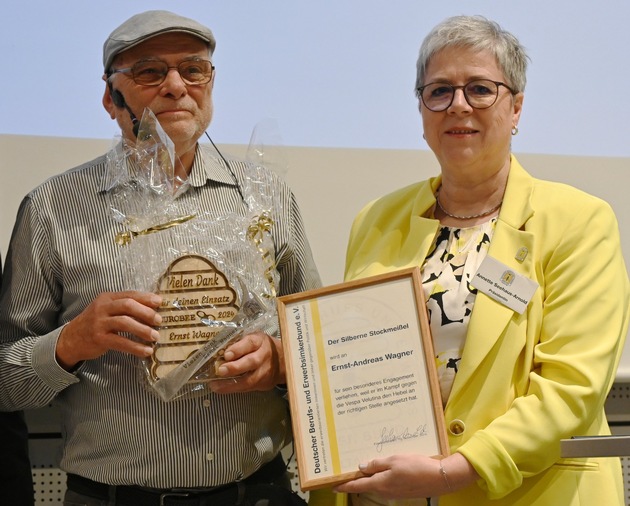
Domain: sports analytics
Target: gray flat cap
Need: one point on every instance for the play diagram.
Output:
(148, 24)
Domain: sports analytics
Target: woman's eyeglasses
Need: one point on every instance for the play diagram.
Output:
(480, 94)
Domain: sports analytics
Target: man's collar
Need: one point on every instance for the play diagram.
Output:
(206, 166)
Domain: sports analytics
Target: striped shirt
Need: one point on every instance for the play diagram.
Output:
(116, 430)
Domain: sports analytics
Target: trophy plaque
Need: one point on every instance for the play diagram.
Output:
(197, 303)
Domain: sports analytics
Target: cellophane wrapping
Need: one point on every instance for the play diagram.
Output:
(216, 274)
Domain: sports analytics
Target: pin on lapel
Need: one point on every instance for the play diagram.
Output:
(521, 254)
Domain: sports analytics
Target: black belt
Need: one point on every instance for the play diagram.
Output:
(231, 493)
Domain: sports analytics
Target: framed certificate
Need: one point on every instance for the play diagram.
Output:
(361, 375)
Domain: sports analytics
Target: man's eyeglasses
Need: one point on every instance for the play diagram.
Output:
(479, 94)
(153, 73)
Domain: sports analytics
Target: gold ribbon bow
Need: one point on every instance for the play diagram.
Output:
(256, 231)
(124, 238)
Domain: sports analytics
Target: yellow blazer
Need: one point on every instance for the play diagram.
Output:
(525, 381)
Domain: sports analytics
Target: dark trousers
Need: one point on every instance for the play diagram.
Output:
(16, 480)
(269, 486)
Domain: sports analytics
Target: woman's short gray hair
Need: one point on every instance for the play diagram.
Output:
(481, 34)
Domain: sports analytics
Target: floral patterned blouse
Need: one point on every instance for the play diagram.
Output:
(453, 260)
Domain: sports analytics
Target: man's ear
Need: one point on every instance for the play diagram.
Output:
(108, 102)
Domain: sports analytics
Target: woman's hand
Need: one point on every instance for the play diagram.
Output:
(412, 476)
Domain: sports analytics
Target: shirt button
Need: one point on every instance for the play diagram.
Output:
(457, 427)
(206, 403)
(210, 457)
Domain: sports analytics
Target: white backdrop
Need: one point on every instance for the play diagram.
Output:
(333, 73)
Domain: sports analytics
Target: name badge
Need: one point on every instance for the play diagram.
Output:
(504, 285)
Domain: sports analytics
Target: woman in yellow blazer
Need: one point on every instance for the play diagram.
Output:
(514, 384)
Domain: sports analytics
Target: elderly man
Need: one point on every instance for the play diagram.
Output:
(66, 316)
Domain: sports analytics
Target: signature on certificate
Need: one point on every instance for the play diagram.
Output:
(393, 434)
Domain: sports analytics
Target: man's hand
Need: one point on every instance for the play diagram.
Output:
(97, 329)
(254, 363)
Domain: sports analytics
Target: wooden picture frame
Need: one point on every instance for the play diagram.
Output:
(361, 375)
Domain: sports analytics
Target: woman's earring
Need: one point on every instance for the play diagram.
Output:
(514, 130)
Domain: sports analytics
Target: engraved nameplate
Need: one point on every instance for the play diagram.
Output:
(197, 300)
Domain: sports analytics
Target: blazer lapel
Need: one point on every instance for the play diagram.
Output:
(422, 230)
(513, 247)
